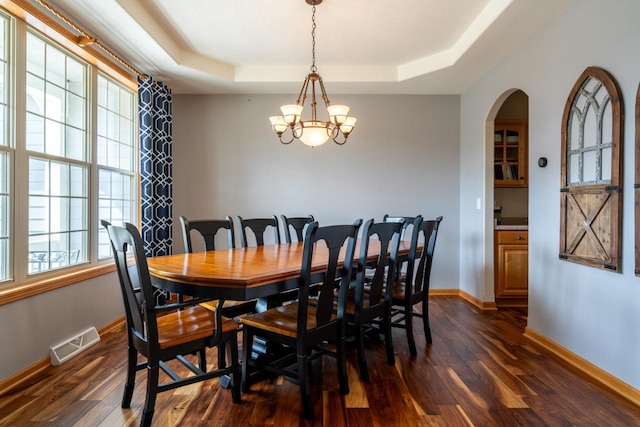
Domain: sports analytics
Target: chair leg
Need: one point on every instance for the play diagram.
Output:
(362, 359)
(247, 344)
(408, 325)
(153, 374)
(202, 360)
(132, 361)
(388, 343)
(342, 366)
(235, 368)
(222, 363)
(425, 319)
(305, 386)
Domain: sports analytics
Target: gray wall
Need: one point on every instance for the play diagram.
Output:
(590, 312)
(402, 158)
(31, 326)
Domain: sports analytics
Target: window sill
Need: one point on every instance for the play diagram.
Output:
(27, 290)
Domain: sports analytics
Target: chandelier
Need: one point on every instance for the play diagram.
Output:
(313, 132)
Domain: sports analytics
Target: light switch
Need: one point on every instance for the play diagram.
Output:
(478, 203)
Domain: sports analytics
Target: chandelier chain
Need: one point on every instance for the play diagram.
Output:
(313, 40)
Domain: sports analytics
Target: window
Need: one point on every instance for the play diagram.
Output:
(116, 157)
(56, 143)
(68, 155)
(591, 200)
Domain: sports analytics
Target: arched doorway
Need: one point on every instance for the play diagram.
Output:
(507, 196)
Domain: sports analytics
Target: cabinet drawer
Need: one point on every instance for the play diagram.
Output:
(514, 237)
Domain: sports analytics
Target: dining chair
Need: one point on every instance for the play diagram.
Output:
(298, 224)
(176, 331)
(369, 300)
(304, 328)
(258, 227)
(406, 222)
(208, 229)
(413, 286)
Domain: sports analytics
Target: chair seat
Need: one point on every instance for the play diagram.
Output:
(188, 325)
(282, 320)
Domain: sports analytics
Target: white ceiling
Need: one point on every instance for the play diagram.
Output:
(362, 46)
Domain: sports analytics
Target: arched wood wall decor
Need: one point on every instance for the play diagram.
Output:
(591, 164)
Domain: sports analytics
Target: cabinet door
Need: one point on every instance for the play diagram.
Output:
(510, 153)
(513, 270)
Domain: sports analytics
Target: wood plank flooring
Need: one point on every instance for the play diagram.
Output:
(479, 371)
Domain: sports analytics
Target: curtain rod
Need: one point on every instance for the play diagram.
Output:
(88, 39)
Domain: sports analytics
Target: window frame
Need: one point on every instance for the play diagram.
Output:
(636, 185)
(27, 17)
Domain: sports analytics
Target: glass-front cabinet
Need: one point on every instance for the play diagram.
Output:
(510, 153)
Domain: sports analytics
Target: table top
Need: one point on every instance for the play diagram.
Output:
(240, 273)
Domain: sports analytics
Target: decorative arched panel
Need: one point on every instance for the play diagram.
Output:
(590, 189)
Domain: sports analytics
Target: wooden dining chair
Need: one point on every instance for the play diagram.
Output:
(368, 304)
(208, 229)
(258, 226)
(413, 287)
(305, 328)
(406, 221)
(298, 224)
(169, 332)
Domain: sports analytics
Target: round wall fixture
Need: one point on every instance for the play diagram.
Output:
(542, 162)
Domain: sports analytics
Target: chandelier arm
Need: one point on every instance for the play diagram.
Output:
(335, 139)
(313, 100)
(287, 142)
(303, 91)
(324, 92)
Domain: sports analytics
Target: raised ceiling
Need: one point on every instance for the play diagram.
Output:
(362, 46)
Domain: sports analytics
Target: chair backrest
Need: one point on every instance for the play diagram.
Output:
(388, 236)
(340, 242)
(258, 226)
(208, 228)
(135, 283)
(434, 225)
(405, 220)
(297, 223)
(417, 279)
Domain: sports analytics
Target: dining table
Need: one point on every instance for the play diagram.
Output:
(242, 274)
(246, 273)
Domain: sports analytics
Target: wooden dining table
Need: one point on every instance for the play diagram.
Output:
(241, 274)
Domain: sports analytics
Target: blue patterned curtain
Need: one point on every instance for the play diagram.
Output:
(154, 102)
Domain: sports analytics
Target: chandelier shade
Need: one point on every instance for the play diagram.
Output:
(313, 132)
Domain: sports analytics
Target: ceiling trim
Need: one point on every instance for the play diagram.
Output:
(182, 55)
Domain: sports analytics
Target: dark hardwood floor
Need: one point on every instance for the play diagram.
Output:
(479, 371)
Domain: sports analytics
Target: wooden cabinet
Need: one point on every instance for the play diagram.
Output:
(510, 153)
(511, 267)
